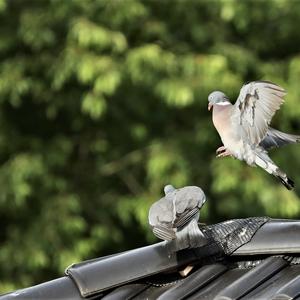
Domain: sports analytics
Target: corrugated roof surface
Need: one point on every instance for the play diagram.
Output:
(272, 277)
(265, 265)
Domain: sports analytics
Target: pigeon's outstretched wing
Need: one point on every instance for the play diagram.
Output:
(253, 111)
(275, 138)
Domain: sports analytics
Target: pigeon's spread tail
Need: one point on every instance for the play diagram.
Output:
(265, 162)
(287, 182)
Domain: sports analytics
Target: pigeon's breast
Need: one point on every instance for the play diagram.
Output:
(229, 136)
(222, 122)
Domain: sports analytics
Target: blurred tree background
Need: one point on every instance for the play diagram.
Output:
(103, 102)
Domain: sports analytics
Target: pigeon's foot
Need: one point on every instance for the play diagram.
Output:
(224, 153)
(220, 150)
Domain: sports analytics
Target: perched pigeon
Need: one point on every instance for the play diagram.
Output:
(175, 211)
(244, 126)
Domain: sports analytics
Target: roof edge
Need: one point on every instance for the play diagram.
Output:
(277, 236)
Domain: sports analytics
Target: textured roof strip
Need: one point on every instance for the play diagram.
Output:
(233, 234)
(252, 279)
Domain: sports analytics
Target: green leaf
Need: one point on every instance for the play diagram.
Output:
(93, 105)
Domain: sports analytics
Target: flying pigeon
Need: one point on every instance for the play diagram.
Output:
(244, 126)
(177, 211)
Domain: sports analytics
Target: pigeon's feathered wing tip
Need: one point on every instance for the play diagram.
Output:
(164, 233)
(287, 182)
(290, 183)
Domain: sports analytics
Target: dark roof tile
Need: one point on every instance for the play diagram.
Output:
(211, 290)
(252, 279)
(128, 291)
(194, 282)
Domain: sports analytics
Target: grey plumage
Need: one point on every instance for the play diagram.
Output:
(175, 211)
(244, 126)
(168, 188)
(275, 139)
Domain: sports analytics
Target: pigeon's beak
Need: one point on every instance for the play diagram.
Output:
(209, 106)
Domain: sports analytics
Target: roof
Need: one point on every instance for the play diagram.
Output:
(255, 258)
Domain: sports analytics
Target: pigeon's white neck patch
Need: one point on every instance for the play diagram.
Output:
(223, 103)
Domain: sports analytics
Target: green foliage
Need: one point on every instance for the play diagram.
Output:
(104, 102)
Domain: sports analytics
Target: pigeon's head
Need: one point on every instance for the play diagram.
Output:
(217, 98)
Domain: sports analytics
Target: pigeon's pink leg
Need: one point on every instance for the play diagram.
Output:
(220, 149)
(225, 153)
